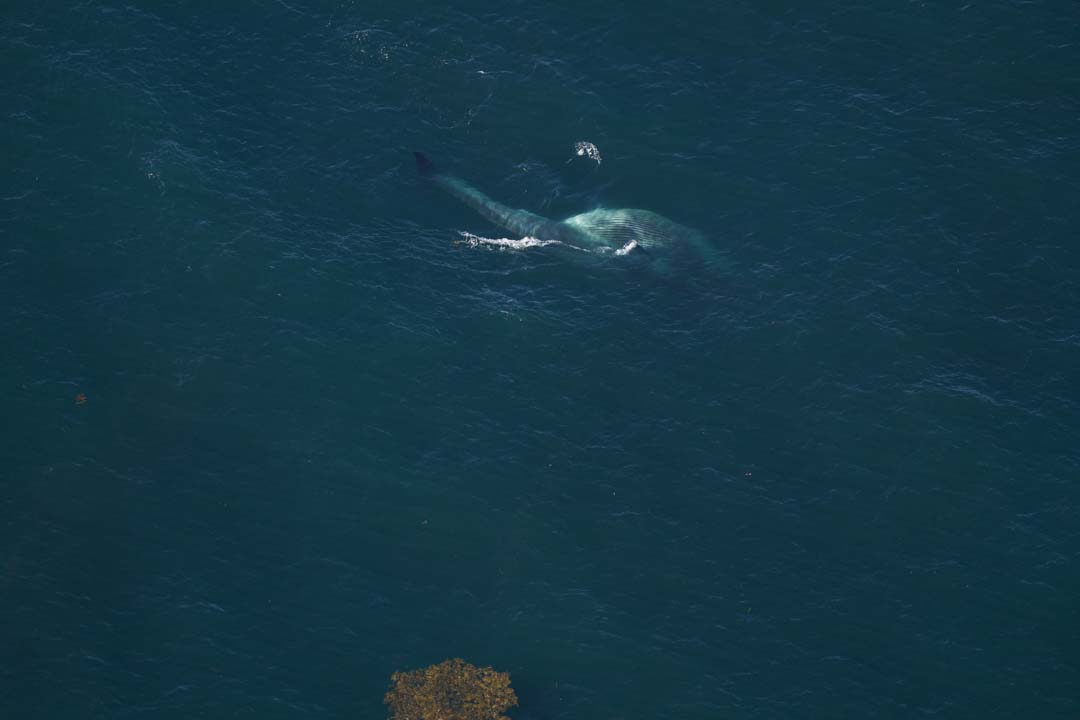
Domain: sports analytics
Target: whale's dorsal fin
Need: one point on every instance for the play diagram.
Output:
(425, 167)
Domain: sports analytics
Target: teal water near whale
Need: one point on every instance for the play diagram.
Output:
(273, 431)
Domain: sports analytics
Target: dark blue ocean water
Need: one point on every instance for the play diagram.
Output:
(271, 435)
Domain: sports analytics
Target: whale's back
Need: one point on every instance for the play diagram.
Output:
(620, 231)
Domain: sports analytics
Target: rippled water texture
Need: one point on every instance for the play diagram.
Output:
(283, 417)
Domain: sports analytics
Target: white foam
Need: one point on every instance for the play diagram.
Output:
(508, 243)
(583, 148)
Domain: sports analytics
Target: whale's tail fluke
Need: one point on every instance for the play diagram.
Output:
(425, 167)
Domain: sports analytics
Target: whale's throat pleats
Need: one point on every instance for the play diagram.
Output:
(618, 228)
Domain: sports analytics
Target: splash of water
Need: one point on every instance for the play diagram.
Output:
(525, 243)
(510, 244)
(583, 148)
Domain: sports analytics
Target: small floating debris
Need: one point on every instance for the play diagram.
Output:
(587, 149)
(80, 399)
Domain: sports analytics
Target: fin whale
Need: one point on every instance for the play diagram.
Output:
(615, 231)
